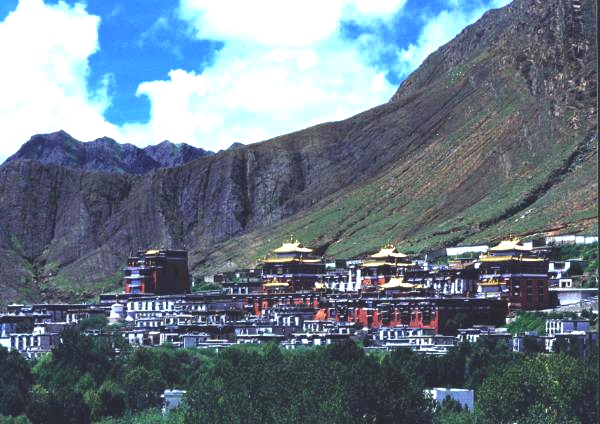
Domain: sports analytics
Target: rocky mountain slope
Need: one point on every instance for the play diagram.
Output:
(104, 154)
(495, 133)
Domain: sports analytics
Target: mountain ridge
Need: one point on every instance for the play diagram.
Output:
(494, 134)
(104, 154)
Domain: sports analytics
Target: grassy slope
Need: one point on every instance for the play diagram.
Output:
(430, 200)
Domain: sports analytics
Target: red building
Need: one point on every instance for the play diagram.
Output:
(157, 272)
(415, 312)
(516, 267)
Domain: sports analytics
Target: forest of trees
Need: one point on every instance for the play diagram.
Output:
(83, 380)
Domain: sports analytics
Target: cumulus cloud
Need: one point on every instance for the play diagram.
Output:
(45, 52)
(283, 67)
(251, 94)
(275, 22)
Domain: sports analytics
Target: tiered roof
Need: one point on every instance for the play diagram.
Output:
(510, 250)
(387, 255)
(292, 251)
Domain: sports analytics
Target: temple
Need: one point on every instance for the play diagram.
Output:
(383, 266)
(514, 272)
(157, 272)
(291, 267)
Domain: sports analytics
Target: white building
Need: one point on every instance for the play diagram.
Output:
(463, 396)
(562, 326)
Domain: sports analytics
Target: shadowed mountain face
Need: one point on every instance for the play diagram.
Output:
(104, 154)
(494, 134)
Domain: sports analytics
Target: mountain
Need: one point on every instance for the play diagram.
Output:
(104, 154)
(495, 134)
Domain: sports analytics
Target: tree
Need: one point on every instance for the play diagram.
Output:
(487, 356)
(540, 388)
(15, 382)
(111, 400)
(143, 388)
(21, 419)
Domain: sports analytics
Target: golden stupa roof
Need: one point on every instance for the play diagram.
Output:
(492, 283)
(290, 260)
(398, 282)
(511, 244)
(276, 284)
(292, 247)
(388, 251)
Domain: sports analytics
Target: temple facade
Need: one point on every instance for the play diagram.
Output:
(291, 267)
(383, 266)
(512, 271)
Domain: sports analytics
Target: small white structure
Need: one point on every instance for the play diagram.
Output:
(117, 313)
(572, 239)
(461, 250)
(463, 396)
(171, 399)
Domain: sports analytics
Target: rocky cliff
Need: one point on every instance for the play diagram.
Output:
(494, 133)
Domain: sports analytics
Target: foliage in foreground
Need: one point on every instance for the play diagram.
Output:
(83, 380)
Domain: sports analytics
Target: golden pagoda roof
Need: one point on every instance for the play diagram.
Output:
(292, 247)
(512, 244)
(276, 284)
(488, 258)
(374, 264)
(398, 282)
(290, 260)
(491, 282)
(388, 251)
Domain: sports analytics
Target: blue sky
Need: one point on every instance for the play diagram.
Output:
(208, 72)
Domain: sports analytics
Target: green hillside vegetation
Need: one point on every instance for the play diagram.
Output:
(393, 209)
(589, 253)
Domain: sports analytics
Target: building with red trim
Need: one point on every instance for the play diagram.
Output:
(158, 272)
(518, 274)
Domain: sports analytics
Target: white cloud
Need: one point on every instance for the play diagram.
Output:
(284, 66)
(44, 52)
(254, 93)
(438, 31)
(279, 23)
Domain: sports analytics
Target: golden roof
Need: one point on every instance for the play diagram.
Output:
(388, 251)
(398, 282)
(276, 284)
(374, 264)
(512, 244)
(152, 252)
(497, 258)
(292, 247)
(491, 282)
(289, 260)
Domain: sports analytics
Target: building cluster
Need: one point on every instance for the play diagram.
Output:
(386, 300)
(573, 335)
